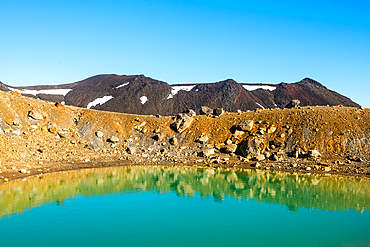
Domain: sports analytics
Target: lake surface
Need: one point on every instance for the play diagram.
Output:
(184, 206)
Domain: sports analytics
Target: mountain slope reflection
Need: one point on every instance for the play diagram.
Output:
(293, 190)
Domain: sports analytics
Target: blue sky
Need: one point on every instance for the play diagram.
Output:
(56, 42)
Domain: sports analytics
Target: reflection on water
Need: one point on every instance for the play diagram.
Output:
(292, 190)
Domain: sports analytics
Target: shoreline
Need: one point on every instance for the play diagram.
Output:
(54, 167)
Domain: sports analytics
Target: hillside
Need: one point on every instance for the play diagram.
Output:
(138, 94)
(38, 136)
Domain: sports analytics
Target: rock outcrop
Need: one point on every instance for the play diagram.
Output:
(182, 122)
(39, 137)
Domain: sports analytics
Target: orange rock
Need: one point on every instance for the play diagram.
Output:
(53, 128)
(60, 106)
(271, 130)
(182, 122)
(15, 93)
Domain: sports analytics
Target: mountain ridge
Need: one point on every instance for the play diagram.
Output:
(139, 94)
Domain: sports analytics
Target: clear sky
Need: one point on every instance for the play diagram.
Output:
(57, 42)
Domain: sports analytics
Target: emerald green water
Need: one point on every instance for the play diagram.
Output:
(177, 206)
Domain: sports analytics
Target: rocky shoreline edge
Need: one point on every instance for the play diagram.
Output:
(40, 137)
(52, 167)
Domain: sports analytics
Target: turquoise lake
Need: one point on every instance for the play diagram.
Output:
(184, 206)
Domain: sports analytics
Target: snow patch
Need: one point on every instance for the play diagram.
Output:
(176, 89)
(45, 91)
(143, 99)
(260, 105)
(255, 87)
(124, 84)
(99, 101)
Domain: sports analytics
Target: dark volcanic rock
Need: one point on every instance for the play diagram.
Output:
(309, 92)
(138, 94)
(218, 111)
(127, 92)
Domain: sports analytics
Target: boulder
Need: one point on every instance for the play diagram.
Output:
(99, 134)
(205, 110)
(190, 112)
(314, 153)
(141, 127)
(174, 141)
(182, 122)
(35, 115)
(293, 103)
(231, 148)
(218, 111)
(63, 134)
(53, 128)
(60, 106)
(207, 152)
(203, 138)
(246, 125)
(159, 137)
(238, 133)
(131, 150)
(271, 130)
(251, 147)
(114, 139)
(260, 157)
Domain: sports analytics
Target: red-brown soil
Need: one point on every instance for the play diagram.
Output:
(68, 139)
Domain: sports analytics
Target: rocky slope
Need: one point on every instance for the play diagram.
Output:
(138, 94)
(38, 136)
